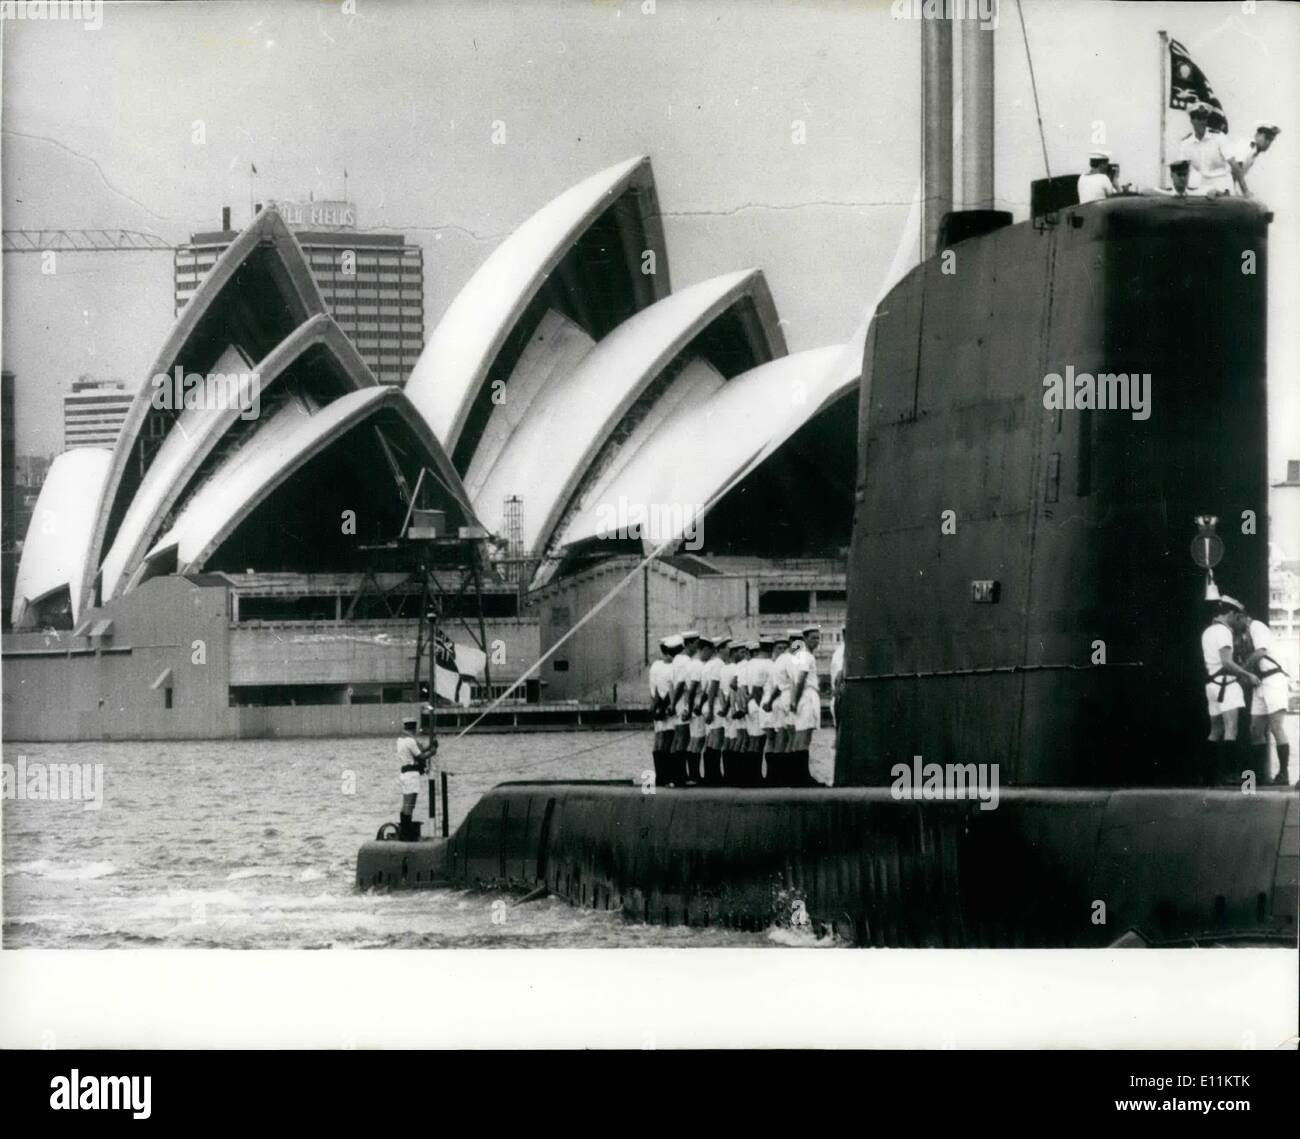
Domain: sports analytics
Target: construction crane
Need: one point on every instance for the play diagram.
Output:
(82, 241)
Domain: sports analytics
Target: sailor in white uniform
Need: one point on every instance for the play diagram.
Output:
(1209, 153)
(1227, 679)
(734, 711)
(1268, 704)
(1246, 153)
(661, 705)
(758, 673)
(739, 760)
(698, 727)
(777, 701)
(806, 702)
(1096, 186)
(714, 703)
(412, 762)
(683, 668)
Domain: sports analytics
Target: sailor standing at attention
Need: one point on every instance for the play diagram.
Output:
(738, 761)
(683, 667)
(1268, 704)
(698, 728)
(758, 671)
(1223, 690)
(1209, 154)
(806, 705)
(661, 706)
(1096, 184)
(729, 700)
(412, 761)
(714, 703)
(777, 702)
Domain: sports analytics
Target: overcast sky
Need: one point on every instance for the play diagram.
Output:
(99, 131)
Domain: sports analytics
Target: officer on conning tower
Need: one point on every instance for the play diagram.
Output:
(1210, 154)
(413, 762)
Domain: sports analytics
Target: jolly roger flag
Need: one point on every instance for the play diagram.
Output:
(1187, 84)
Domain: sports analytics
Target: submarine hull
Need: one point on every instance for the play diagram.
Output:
(1021, 586)
(1082, 868)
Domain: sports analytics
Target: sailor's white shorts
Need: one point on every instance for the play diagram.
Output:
(754, 719)
(698, 727)
(1270, 695)
(731, 728)
(665, 725)
(1232, 697)
(782, 717)
(808, 716)
(409, 781)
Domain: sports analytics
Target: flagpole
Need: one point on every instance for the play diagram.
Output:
(1163, 173)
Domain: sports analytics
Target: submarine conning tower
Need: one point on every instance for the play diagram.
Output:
(1051, 622)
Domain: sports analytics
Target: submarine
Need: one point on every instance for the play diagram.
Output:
(1023, 592)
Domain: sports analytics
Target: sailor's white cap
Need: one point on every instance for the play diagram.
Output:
(809, 630)
(721, 642)
(704, 639)
(672, 642)
(1231, 603)
(1265, 125)
(690, 634)
(409, 721)
(1198, 107)
(793, 634)
(1099, 156)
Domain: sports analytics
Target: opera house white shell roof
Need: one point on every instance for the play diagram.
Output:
(566, 373)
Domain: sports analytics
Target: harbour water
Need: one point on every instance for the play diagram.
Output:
(252, 845)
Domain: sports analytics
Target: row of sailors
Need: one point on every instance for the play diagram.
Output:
(735, 713)
(1209, 164)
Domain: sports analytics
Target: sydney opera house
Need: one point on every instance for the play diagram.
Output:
(230, 569)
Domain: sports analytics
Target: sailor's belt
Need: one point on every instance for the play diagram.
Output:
(410, 767)
(1222, 678)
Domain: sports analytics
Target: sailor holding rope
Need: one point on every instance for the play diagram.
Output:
(413, 762)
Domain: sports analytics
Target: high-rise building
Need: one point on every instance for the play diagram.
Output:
(372, 283)
(93, 413)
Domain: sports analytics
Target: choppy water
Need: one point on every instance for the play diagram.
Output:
(252, 844)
